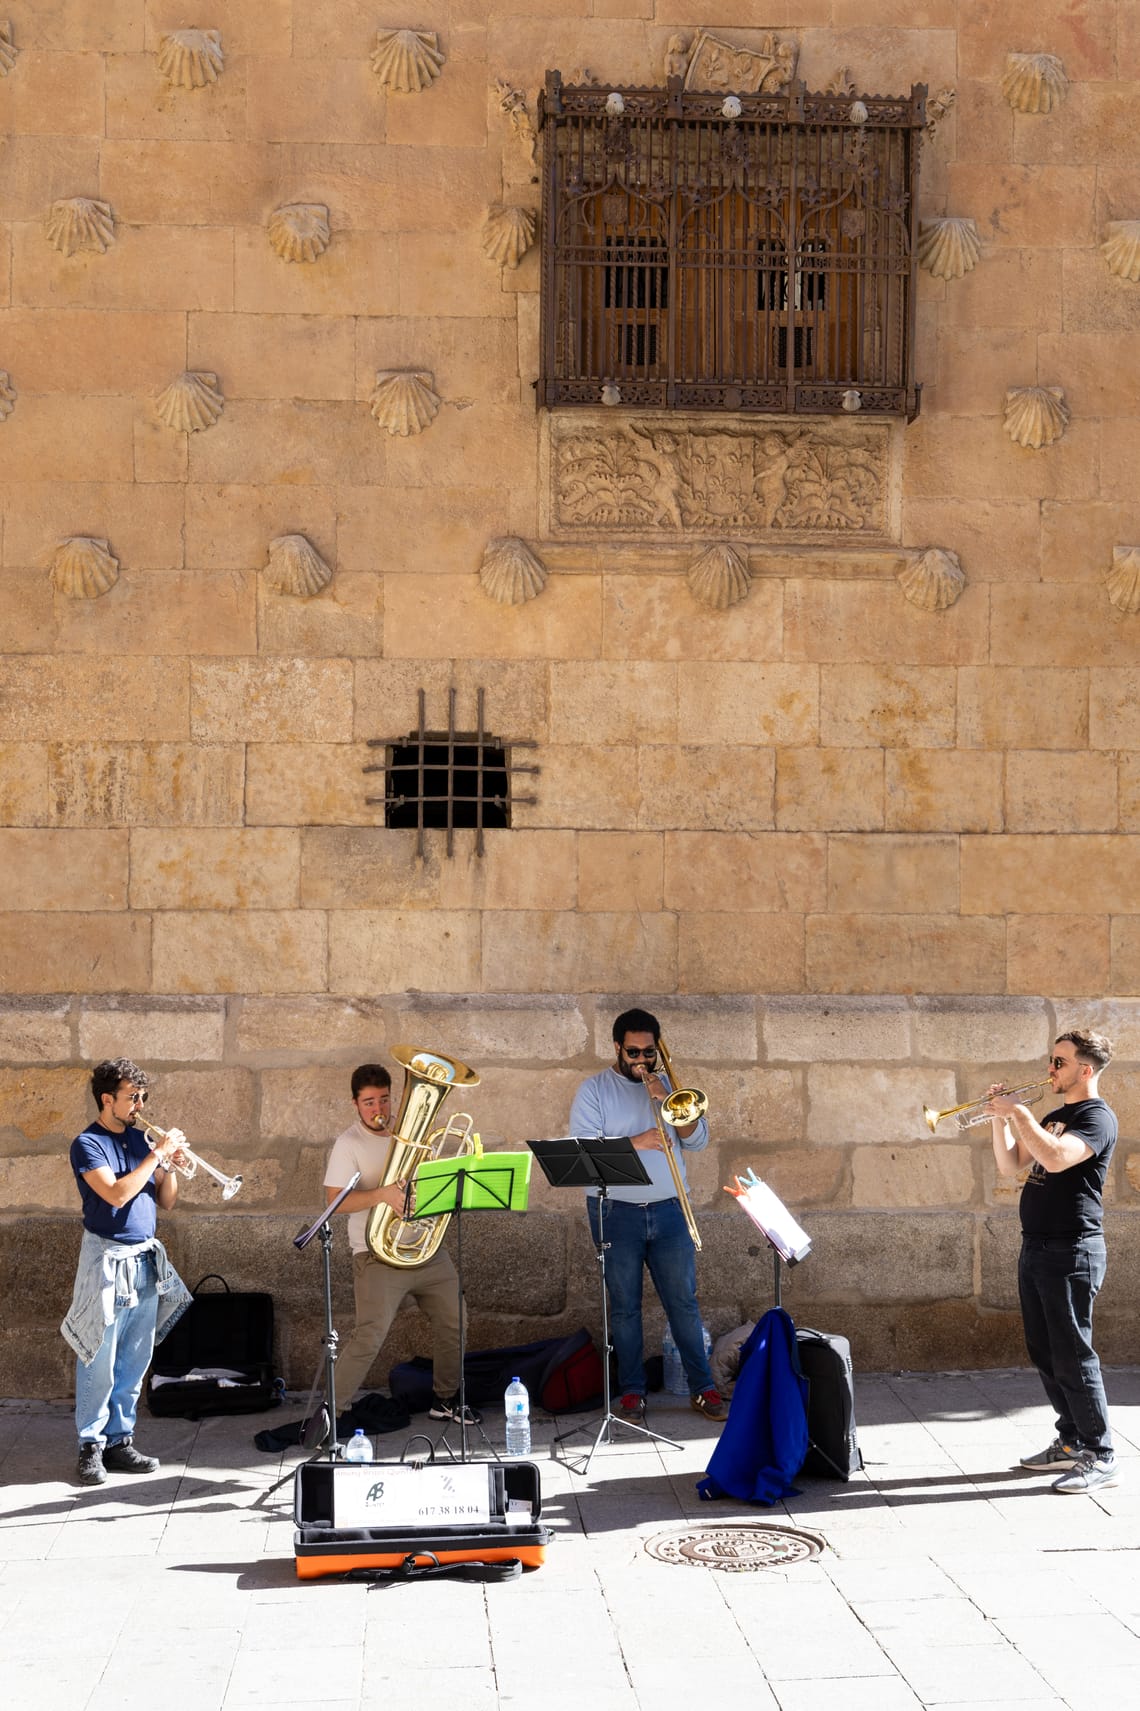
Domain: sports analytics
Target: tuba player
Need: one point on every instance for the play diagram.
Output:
(380, 1288)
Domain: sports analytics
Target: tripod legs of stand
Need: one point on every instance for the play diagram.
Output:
(608, 1418)
(317, 1436)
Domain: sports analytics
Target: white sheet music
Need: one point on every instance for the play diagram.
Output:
(768, 1212)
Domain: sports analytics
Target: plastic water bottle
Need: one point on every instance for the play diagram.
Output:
(673, 1372)
(517, 1405)
(358, 1448)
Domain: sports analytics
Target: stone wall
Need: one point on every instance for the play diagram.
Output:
(859, 853)
(914, 1237)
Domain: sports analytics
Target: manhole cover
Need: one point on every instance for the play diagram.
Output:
(736, 1549)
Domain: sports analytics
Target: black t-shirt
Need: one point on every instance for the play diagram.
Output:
(1068, 1202)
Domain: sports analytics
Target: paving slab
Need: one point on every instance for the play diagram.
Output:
(949, 1578)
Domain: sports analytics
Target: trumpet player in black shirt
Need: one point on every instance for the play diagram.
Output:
(1062, 1264)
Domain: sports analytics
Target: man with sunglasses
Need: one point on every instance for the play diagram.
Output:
(1062, 1264)
(644, 1224)
(127, 1294)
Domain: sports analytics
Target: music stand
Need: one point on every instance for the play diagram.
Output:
(602, 1162)
(480, 1183)
(322, 1227)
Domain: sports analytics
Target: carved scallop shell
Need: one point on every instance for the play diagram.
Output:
(8, 49)
(403, 401)
(192, 402)
(299, 231)
(189, 59)
(7, 394)
(1121, 249)
(80, 223)
(83, 567)
(508, 233)
(949, 247)
(1035, 416)
(1123, 580)
(296, 567)
(407, 60)
(933, 580)
(719, 577)
(510, 573)
(1034, 82)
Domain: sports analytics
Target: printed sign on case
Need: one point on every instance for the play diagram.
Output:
(381, 1495)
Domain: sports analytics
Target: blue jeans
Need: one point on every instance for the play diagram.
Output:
(107, 1391)
(1058, 1279)
(656, 1236)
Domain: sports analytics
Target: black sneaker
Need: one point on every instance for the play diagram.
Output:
(449, 1410)
(124, 1458)
(91, 1470)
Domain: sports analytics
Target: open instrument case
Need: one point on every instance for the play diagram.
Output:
(327, 1494)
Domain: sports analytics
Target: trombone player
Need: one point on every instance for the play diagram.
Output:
(645, 1224)
(1062, 1263)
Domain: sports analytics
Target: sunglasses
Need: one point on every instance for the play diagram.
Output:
(1058, 1063)
(639, 1051)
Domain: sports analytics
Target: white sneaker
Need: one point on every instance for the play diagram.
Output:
(1091, 1473)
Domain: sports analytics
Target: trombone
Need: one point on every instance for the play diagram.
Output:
(191, 1160)
(972, 1113)
(687, 1105)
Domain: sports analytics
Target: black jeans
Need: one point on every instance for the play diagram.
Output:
(1058, 1278)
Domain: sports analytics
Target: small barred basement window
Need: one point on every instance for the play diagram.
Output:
(448, 779)
(760, 261)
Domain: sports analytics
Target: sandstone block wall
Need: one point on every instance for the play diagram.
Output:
(859, 855)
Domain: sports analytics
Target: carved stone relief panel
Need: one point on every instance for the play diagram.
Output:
(667, 477)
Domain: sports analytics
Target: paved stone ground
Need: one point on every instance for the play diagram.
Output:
(949, 1579)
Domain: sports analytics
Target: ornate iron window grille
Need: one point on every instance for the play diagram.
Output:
(764, 263)
(449, 778)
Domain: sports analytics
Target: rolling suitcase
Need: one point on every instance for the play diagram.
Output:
(218, 1358)
(833, 1448)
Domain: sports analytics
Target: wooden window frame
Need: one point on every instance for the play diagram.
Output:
(765, 262)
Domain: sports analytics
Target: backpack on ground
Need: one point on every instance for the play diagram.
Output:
(218, 1358)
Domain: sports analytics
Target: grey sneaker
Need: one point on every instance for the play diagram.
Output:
(91, 1470)
(1052, 1460)
(124, 1458)
(1091, 1473)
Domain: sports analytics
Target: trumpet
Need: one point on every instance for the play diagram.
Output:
(186, 1162)
(973, 1112)
(687, 1105)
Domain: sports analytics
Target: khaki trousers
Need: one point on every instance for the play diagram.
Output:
(380, 1290)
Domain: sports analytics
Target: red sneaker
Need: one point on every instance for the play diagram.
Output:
(632, 1406)
(710, 1403)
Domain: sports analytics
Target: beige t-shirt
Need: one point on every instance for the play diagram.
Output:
(364, 1150)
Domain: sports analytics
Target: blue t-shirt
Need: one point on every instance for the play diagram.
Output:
(96, 1146)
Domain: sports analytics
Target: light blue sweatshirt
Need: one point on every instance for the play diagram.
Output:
(609, 1104)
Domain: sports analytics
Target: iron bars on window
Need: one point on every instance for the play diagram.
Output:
(448, 778)
(763, 262)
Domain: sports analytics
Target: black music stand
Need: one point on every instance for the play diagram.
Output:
(602, 1162)
(482, 1185)
(319, 1428)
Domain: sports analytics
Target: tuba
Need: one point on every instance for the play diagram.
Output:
(428, 1079)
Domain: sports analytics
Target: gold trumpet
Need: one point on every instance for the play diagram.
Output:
(687, 1105)
(972, 1113)
(190, 1160)
(428, 1079)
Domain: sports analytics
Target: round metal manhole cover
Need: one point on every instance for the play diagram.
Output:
(738, 1549)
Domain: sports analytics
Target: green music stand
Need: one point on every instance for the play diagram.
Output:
(473, 1182)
